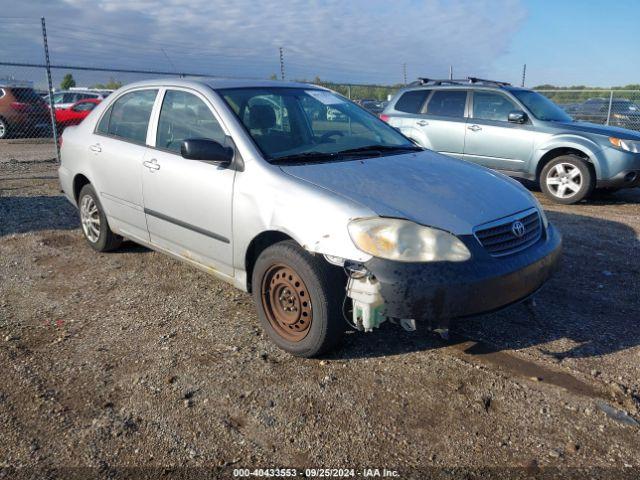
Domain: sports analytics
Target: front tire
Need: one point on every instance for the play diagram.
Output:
(567, 179)
(94, 224)
(298, 297)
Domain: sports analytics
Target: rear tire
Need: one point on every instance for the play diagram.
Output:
(4, 129)
(298, 297)
(567, 179)
(94, 222)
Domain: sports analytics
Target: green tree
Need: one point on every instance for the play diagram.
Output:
(112, 84)
(67, 82)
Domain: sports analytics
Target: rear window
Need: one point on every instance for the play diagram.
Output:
(447, 103)
(412, 102)
(26, 95)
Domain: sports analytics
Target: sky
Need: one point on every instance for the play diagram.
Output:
(563, 42)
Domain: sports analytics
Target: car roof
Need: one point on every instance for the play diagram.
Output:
(219, 83)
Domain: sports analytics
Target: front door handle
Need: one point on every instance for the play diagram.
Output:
(96, 147)
(422, 123)
(152, 165)
(474, 128)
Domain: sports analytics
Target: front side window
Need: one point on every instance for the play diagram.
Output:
(84, 107)
(128, 117)
(492, 106)
(541, 107)
(184, 116)
(412, 102)
(310, 125)
(447, 103)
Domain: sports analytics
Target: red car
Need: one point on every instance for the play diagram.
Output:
(75, 113)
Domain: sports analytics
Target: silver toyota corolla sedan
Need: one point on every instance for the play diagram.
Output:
(327, 219)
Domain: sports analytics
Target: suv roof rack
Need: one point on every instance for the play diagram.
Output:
(457, 81)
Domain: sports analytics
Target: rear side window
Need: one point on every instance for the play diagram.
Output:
(412, 102)
(447, 103)
(26, 95)
(128, 117)
(184, 116)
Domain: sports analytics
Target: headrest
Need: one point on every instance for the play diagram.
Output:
(261, 117)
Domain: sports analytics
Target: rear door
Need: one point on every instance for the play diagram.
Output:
(118, 147)
(442, 121)
(491, 140)
(188, 202)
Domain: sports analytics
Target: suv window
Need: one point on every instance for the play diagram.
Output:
(412, 102)
(26, 95)
(492, 106)
(185, 116)
(447, 103)
(128, 117)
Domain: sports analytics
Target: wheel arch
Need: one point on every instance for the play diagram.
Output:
(79, 181)
(560, 151)
(258, 244)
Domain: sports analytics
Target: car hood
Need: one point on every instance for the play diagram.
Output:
(586, 127)
(424, 187)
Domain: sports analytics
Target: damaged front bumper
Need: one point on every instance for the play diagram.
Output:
(445, 290)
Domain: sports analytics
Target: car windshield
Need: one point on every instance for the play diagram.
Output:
(300, 124)
(541, 107)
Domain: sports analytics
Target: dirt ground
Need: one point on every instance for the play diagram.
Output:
(132, 359)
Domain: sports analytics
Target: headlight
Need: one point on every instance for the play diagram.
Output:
(628, 145)
(405, 241)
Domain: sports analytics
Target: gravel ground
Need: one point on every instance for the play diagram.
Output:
(132, 359)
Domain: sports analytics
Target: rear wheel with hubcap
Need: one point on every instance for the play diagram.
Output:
(567, 179)
(94, 222)
(298, 297)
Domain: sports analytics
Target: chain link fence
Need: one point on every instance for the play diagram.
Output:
(615, 107)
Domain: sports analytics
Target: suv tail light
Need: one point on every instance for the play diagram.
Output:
(384, 118)
(19, 106)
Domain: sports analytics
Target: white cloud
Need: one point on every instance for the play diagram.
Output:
(358, 40)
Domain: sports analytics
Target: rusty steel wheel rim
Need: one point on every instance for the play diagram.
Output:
(286, 302)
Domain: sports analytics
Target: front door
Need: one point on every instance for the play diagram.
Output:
(188, 202)
(491, 140)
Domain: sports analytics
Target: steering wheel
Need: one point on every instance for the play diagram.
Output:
(331, 133)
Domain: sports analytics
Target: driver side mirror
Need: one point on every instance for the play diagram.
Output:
(517, 116)
(206, 150)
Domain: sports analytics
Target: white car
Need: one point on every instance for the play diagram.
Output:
(64, 99)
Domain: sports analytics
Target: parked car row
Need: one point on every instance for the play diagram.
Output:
(24, 112)
(518, 132)
(618, 112)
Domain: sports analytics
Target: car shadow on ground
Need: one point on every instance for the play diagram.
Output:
(588, 309)
(37, 213)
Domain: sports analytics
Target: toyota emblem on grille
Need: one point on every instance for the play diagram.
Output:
(518, 228)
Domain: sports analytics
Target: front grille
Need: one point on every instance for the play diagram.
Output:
(498, 238)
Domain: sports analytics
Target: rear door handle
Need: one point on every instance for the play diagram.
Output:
(95, 148)
(422, 123)
(152, 165)
(474, 128)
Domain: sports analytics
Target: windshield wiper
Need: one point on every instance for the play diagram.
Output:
(303, 156)
(381, 149)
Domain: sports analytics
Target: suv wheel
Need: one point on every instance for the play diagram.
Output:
(298, 297)
(94, 222)
(4, 129)
(567, 179)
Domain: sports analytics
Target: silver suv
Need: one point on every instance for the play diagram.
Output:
(303, 198)
(518, 132)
